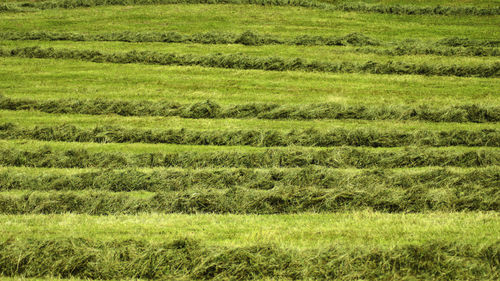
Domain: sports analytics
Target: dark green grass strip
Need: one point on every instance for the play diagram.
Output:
(265, 179)
(347, 7)
(452, 46)
(240, 61)
(210, 109)
(245, 38)
(190, 259)
(239, 200)
(345, 157)
(261, 138)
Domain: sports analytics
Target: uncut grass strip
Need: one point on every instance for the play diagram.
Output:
(211, 109)
(191, 259)
(264, 179)
(261, 138)
(241, 61)
(44, 156)
(239, 200)
(347, 7)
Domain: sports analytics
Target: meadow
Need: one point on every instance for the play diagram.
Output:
(249, 140)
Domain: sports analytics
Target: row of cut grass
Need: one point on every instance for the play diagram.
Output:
(346, 6)
(30, 119)
(188, 259)
(173, 179)
(265, 111)
(452, 46)
(268, 63)
(475, 3)
(330, 137)
(84, 155)
(240, 200)
(314, 53)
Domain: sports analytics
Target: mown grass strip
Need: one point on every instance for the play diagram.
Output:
(308, 231)
(288, 22)
(86, 258)
(31, 119)
(265, 179)
(211, 109)
(263, 138)
(71, 155)
(346, 7)
(452, 46)
(52, 79)
(241, 61)
(278, 200)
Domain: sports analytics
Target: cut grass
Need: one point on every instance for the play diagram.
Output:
(268, 63)
(240, 200)
(173, 148)
(313, 53)
(299, 231)
(445, 47)
(188, 259)
(450, 3)
(30, 119)
(174, 179)
(285, 21)
(359, 136)
(340, 236)
(84, 155)
(267, 111)
(50, 79)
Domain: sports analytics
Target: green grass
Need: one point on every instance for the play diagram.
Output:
(285, 21)
(475, 3)
(97, 210)
(176, 179)
(87, 155)
(172, 148)
(349, 171)
(317, 53)
(30, 119)
(53, 79)
(125, 147)
(452, 3)
(357, 229)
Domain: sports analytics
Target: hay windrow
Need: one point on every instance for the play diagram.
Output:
(342, 157)
(279, 200)
(345, 7)
(271, 63)
(190, 259)
(263, 179)
(210, 109)
(261, 138)
(449, 46)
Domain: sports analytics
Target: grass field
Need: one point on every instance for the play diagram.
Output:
(249, 140)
